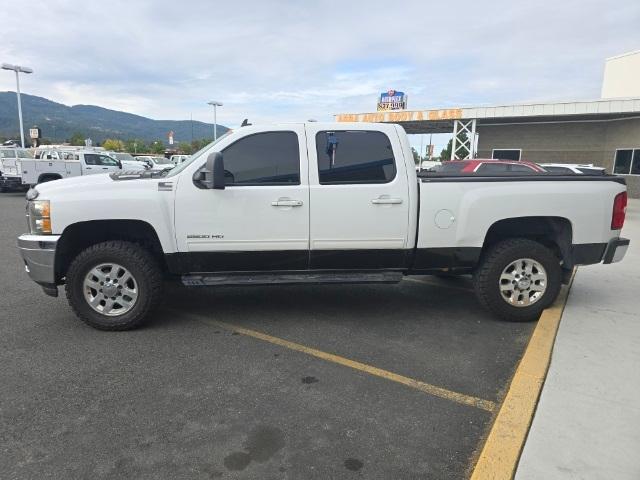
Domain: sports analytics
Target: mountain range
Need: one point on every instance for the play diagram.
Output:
(59, 122)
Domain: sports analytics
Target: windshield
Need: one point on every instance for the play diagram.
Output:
(195, 156)
(123, 156)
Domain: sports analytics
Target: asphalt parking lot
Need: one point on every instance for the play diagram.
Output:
(364, 381)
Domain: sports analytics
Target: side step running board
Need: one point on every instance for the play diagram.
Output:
(206, 280)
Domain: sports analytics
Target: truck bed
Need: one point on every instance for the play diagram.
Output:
(454, 220)
(425, 176)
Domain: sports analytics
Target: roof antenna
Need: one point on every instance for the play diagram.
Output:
(245, 123)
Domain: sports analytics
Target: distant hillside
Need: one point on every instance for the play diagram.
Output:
(59, 122)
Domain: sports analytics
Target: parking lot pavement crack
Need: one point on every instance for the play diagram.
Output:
(434, 390)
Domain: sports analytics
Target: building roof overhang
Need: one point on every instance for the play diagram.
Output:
(441, 120)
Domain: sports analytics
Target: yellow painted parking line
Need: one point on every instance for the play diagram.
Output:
(501, 452)
(436, 284)
(434, 390)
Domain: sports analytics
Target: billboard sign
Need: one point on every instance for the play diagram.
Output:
(392, 100)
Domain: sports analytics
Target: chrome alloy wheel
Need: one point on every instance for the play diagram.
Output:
(523, 282)
(110, 289)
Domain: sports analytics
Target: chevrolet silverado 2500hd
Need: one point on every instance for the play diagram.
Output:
(314, 202)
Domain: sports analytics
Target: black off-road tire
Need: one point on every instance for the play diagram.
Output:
(487, 276)
(133, 257)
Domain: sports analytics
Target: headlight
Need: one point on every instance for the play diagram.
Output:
(39, 217)
(32, 194)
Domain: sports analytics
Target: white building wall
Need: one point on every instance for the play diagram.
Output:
(621, 75)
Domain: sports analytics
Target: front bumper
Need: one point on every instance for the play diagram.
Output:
(616, 250)
(39, 253)
(10, 183)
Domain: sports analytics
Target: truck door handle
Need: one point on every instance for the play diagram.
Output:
(88, 168)
(286, 202)
(384, 200)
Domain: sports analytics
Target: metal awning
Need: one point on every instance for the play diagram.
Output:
(443, 120)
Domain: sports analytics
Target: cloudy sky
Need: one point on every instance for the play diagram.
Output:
(295, 60)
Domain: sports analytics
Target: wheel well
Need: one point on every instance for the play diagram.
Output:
(555, 233)
(78, 236)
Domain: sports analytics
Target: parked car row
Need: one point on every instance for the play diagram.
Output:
(21, 168)
(494, 166)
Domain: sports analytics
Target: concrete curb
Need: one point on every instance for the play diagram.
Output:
(501, 452)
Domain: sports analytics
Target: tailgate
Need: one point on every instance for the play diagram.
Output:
(10, 167)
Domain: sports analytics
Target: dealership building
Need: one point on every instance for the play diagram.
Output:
(604, 132)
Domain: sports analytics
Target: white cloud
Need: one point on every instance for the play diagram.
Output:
(289, 60)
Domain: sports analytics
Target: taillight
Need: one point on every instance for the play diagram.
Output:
(619, 210)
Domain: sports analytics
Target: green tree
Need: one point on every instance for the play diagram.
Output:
(201, 143)
(135, 145)
(77, 139)
(416, 156)
(185, 147)
(113, 144)
(157, 147)
(446, 151)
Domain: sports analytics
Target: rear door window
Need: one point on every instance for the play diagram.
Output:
(521, 169)
(354, 157)
(493, 168)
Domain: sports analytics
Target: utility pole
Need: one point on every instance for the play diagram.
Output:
(215, 104)
(18, 69)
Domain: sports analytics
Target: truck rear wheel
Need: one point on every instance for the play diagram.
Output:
(114, 285)
(517, 279)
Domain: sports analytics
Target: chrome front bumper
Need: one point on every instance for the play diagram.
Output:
(39, 253)
(616, 250)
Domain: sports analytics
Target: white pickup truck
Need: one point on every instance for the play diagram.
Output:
(315, 202)
(10, 167)
(56, 165)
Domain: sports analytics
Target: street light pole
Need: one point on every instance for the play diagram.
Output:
(18, 69)
(215, 104)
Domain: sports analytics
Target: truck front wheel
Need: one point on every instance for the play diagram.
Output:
(517, 279)
(113, 285)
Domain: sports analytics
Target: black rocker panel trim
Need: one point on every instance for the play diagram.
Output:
(454, 258)
(374, 259)
(237, 261)
(334, 260)
(425, 260)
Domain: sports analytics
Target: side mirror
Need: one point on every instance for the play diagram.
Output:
(214, 172)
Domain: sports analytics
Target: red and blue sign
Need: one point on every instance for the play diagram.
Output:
(392, 100)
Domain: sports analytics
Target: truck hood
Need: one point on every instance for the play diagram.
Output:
(89, 183)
